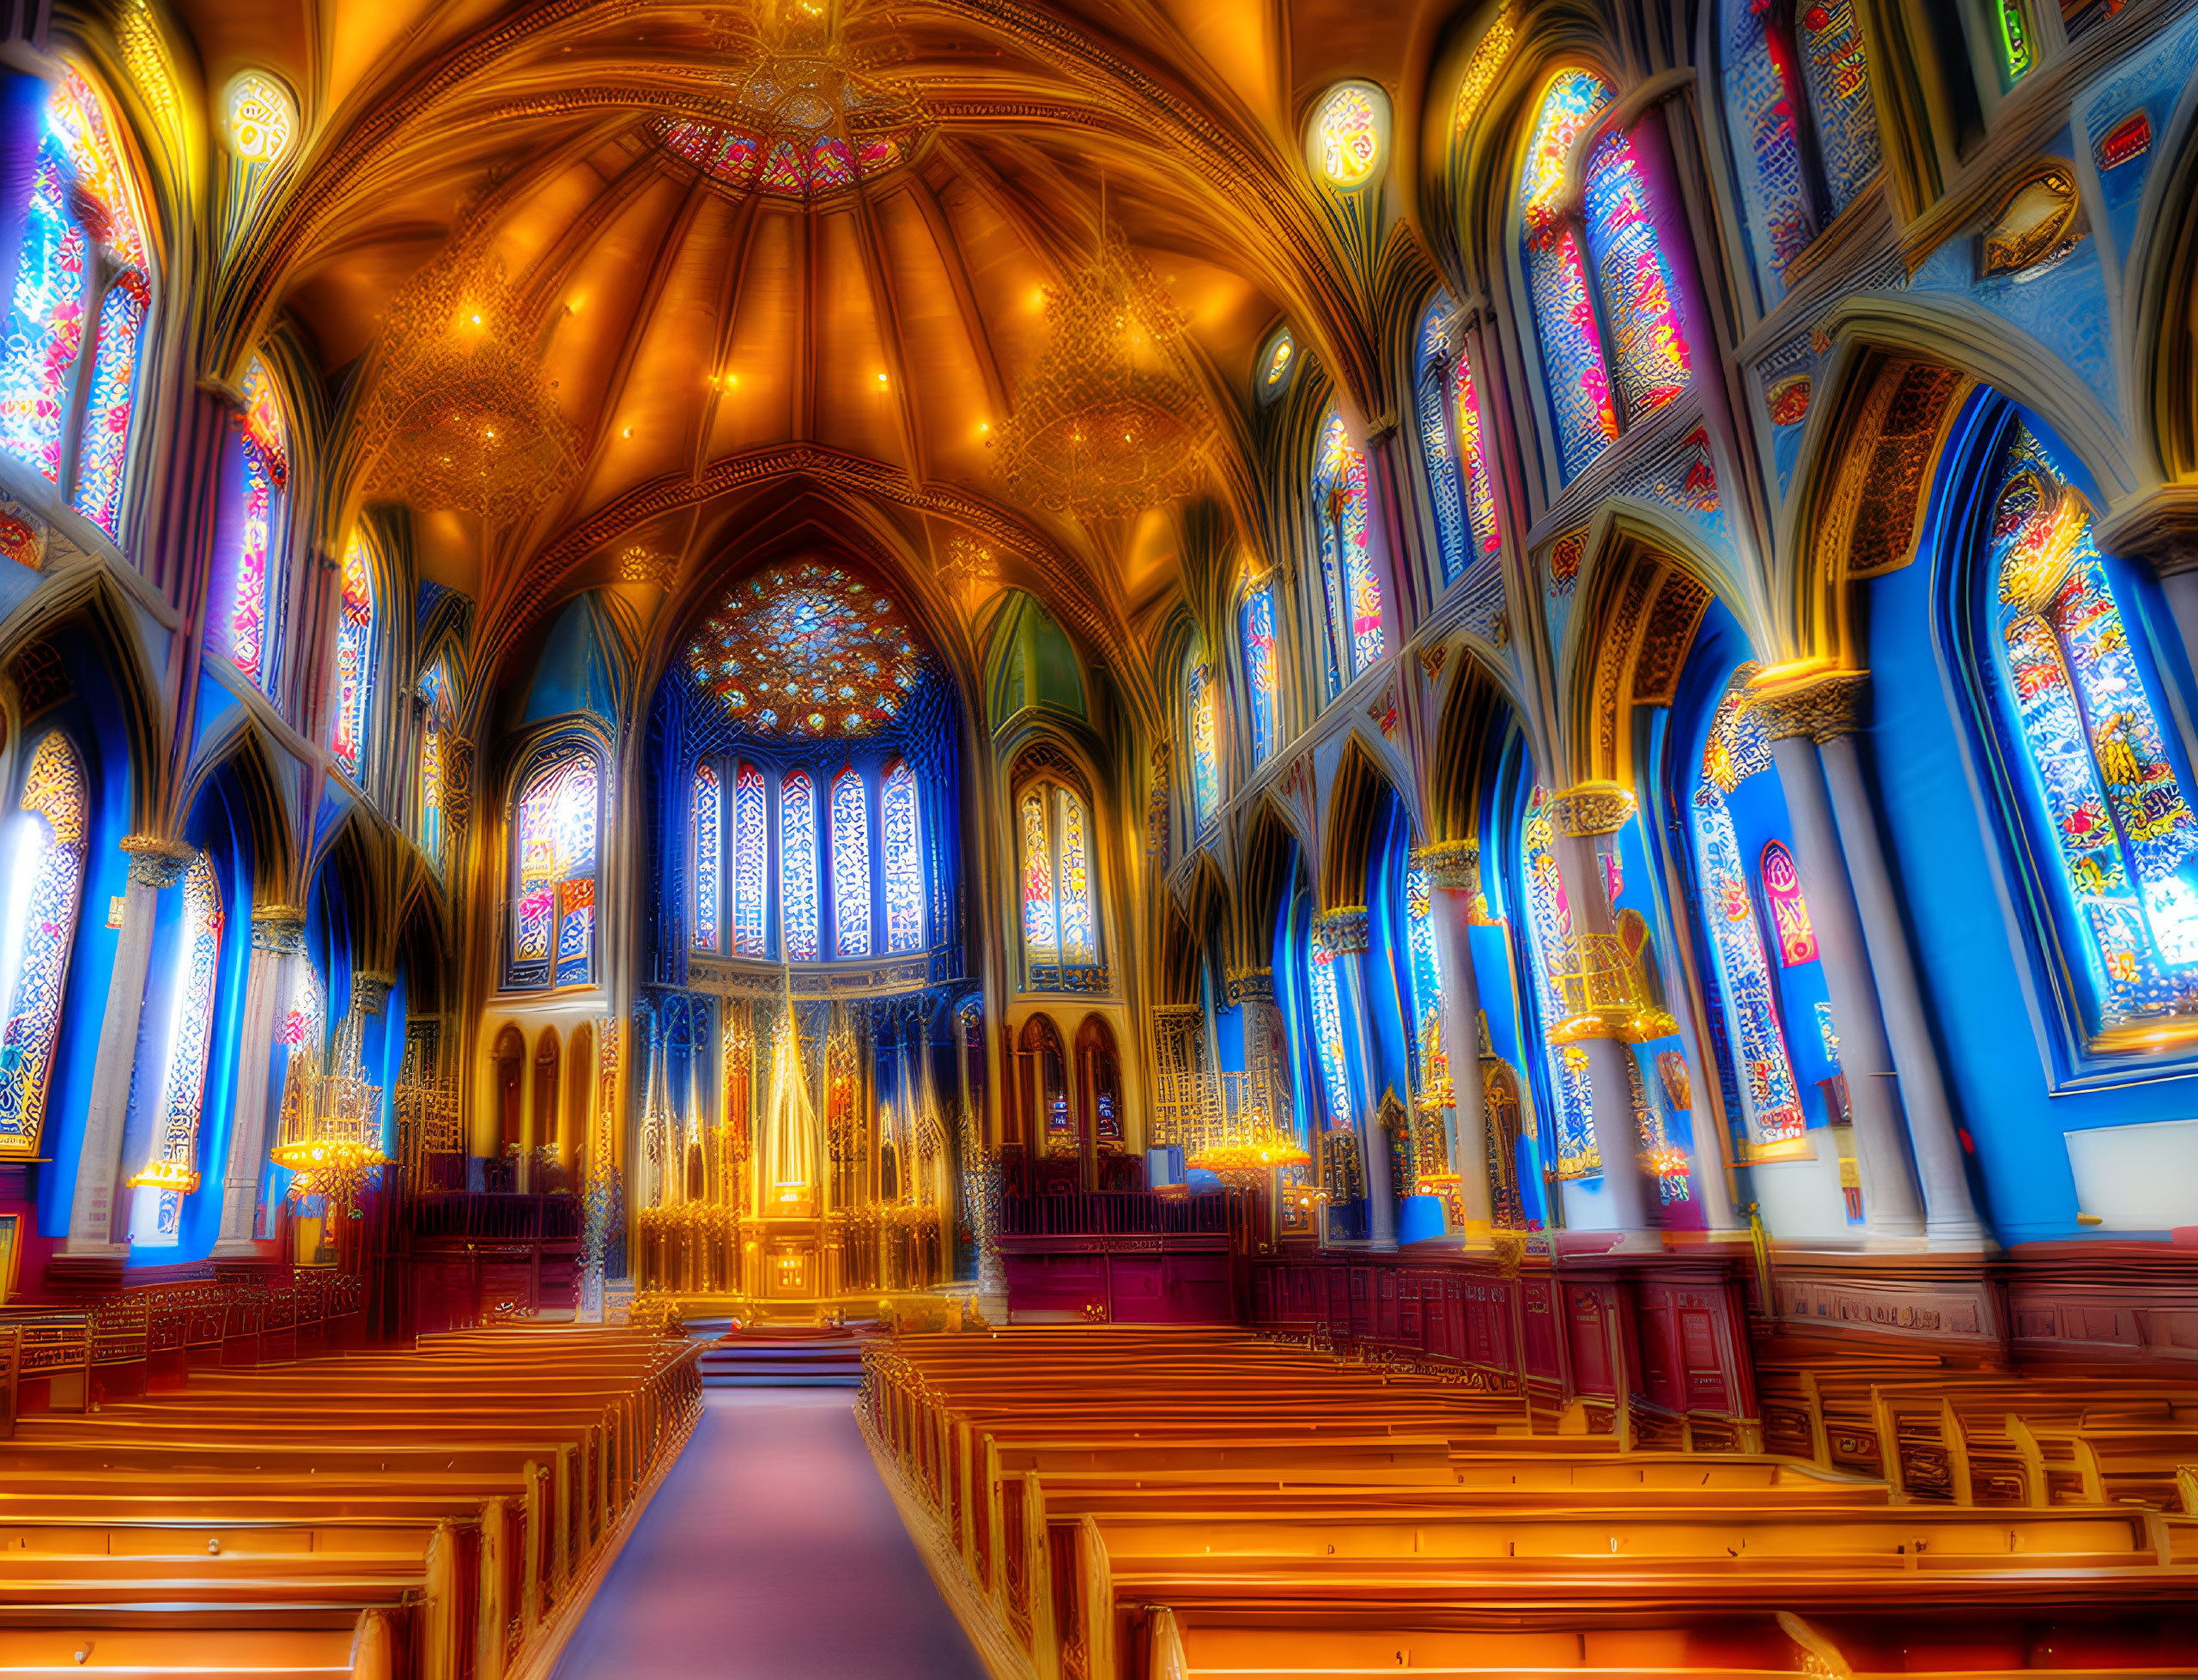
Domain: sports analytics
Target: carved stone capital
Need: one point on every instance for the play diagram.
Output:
(1452, 866)
(1250, 985)
(280, 928)
(157, 862)
(1591, 807)
(1820, 707)
(370, 990)
(1343, 932)
(2159, 527)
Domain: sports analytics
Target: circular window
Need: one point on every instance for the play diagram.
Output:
(1347, 137)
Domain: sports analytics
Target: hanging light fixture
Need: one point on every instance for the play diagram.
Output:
(329, 1137)
(1106, 426)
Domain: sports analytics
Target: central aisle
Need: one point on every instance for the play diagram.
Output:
(771, 1552)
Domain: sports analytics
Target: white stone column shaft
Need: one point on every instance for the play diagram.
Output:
(1452, 873)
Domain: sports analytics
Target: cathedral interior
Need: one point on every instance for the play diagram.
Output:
(1099, 840)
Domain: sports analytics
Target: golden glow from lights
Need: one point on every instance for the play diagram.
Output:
(260, 120)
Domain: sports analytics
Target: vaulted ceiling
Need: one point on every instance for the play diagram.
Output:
(709, 336)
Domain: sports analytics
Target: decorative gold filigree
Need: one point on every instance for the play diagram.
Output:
(1818, 707)
(1590, 808)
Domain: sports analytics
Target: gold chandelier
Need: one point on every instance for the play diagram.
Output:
(1106, 426)
(331, 1134)
(462, 408)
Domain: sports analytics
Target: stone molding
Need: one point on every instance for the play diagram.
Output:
(1452, 866)
(156, 862)
(1820, 707)
(280, 928)
(370, 991)
(1250, 985)
(2159, 527)
(1589, 809)
(1346, 931)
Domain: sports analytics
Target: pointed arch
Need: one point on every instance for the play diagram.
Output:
(1356, 808)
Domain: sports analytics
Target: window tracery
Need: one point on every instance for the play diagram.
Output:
(74, 271)
(901, 856)
(249, 561)
(752, 850)
(45, 893)
(354, 655)
(555, 844)
(1450, 436)
(1060, 942)
(1259, 668)
(798, 841)
(1425, 968)
(850, 864)
(1201, 708)
(1328, 1050)
(706, 801)
(438, 693)
(1342, 506)
(1549, 953)
(2108, 773)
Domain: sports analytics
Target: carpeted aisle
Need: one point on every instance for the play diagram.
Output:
(772, 1552)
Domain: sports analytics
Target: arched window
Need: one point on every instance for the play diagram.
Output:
(1450, 443)
(1605, 300)
(901, 828)
(1797, 107)
(171, 1169)
(83, 259)
(1789, 910)
(1199, 707)
(1550, 955)
(1343, 507)
(1060, 941)
(1426, 971)
(439, 717)
(706, 801)
(553, 852)
(751, 860)
(45, 889)
(2107, 772)
(797, 841)
(850, 864)
(1770, 1101)
(244, 620)
(1259, 667)
(354, 655)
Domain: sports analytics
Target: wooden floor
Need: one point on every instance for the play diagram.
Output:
(439, 1514)
(1159, 1505)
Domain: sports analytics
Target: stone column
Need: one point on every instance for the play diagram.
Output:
(1792, 714)
(1345, 935)
(277, 942)
(370, 996)
(1580, 816)
(95, 1214)
(1453, 875)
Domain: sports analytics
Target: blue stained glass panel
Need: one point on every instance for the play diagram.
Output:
(171, 1169)
(797, 840)
(44, 893)
(1343, 502)
(751, 857)
(1557, 280)
(104, 442)
(1259, 667)
(1763, 102)
(1549, 953)
(1649, 350)
(901, 825)
(1426, 969)
(709, 819)
(1205, 757)
(1837, 73)
(850, 864)
(46, 325)
(559, 810)
(1328, 1036)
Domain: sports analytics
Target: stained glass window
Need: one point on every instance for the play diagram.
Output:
(707, 800)
(1426, 969)
(1837, 75)
(251, 531)
(751, 860)
(560, 812)
(2014, 39)
(1205, 756)
(1347, 136)
(1259, 667)
(2110, 774)
(354, 654)
(1328, 1036)
(807, 651)
(901, 856)
(1549, 954)
(1647, 349)
(171, 1168)
(1771, 1103)
(1789, 910)
(440, 694)
(798, 841)
(60, 286)
(1450, 435)
(1556, 277)
(850, 864)
(45, 889)
(1060, 929)
(1342, 504)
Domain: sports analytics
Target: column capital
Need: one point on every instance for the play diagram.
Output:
(1587, 808)
(1452, 866)
(1816, 704)
(1343, 932)
(2158, 526)
(157, 862)
(280, 928)
(1250, 985)
(370, 990)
